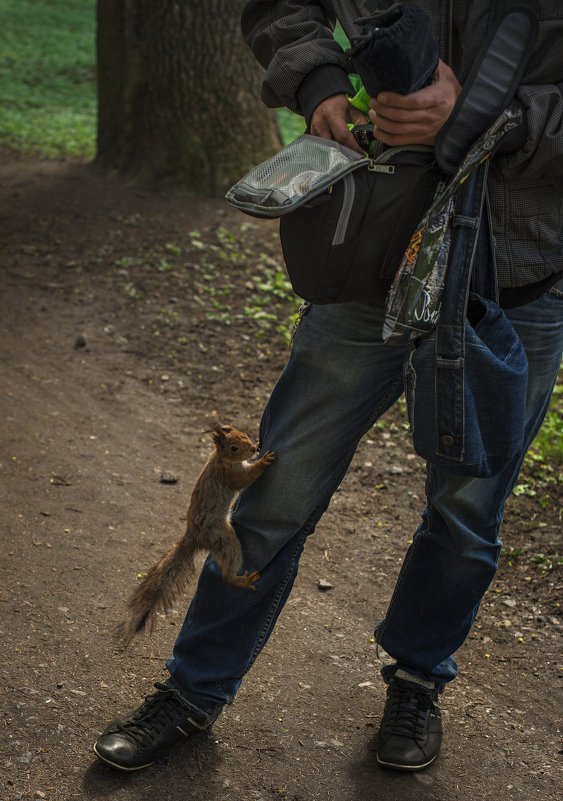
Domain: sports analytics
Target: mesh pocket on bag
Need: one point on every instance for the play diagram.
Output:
(295, 175)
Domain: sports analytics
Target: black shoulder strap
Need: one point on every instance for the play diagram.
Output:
(500, 7)
(491, 83)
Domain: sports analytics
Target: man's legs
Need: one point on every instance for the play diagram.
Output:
(339, 379)
(454, 553)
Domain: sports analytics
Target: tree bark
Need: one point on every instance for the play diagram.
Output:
(178, 93)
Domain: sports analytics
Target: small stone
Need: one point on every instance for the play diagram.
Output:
(167, 477)
(40, 794)
(509, 602)
(423, 778)
(324, 585)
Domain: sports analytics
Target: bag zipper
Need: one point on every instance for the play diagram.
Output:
(377, 164)
(388, 154)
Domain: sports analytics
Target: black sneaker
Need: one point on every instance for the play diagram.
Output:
(410, 734)
(136, 740)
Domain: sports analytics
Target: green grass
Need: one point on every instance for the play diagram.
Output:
(291, 125)
(47, 76)
(548, 445)
(48, 83)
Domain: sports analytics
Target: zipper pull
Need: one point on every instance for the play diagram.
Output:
(388, 169)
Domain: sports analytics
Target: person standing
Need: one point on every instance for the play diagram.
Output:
(341, 377)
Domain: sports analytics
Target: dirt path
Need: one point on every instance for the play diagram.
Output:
(111, 360)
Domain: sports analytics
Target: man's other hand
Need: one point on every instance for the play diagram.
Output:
(415, 119)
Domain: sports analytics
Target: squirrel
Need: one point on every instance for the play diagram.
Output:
(227, 471)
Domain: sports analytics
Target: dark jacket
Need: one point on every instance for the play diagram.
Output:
(304, 65)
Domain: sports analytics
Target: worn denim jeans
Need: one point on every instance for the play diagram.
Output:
(340, 378)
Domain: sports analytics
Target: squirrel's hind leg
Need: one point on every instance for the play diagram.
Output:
(228, 555)
(246, 579)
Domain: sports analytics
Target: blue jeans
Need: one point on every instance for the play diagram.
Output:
(340, 378)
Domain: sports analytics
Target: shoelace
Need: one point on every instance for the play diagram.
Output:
(408, 710)
(158, 711)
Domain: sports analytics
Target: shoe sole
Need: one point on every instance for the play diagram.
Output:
(405, 767)
(120, 767)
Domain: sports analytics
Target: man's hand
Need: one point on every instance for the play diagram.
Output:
(415, 119)
(330, 120)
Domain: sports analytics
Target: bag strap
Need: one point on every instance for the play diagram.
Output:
(492, 82)
(469, 248)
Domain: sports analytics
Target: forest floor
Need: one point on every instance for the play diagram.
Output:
(129, 321)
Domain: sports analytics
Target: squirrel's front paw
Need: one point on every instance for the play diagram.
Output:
(268, 457)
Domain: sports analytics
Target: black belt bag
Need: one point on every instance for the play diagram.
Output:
(347, 243)
(345, 219)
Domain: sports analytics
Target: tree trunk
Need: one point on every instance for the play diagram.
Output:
(179, 94)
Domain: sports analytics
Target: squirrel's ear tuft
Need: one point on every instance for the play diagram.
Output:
(220, 432)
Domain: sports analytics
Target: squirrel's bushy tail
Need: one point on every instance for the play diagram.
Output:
(157, 592)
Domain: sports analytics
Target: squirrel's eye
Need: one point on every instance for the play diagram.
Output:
(234, 448)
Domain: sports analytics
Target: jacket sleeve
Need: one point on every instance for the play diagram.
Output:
(542, 151)
(293, 41)
(541, 96)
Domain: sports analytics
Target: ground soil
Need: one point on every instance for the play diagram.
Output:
(124, 332)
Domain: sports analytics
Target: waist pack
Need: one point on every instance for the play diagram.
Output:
(466, 381)
(345, 219)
